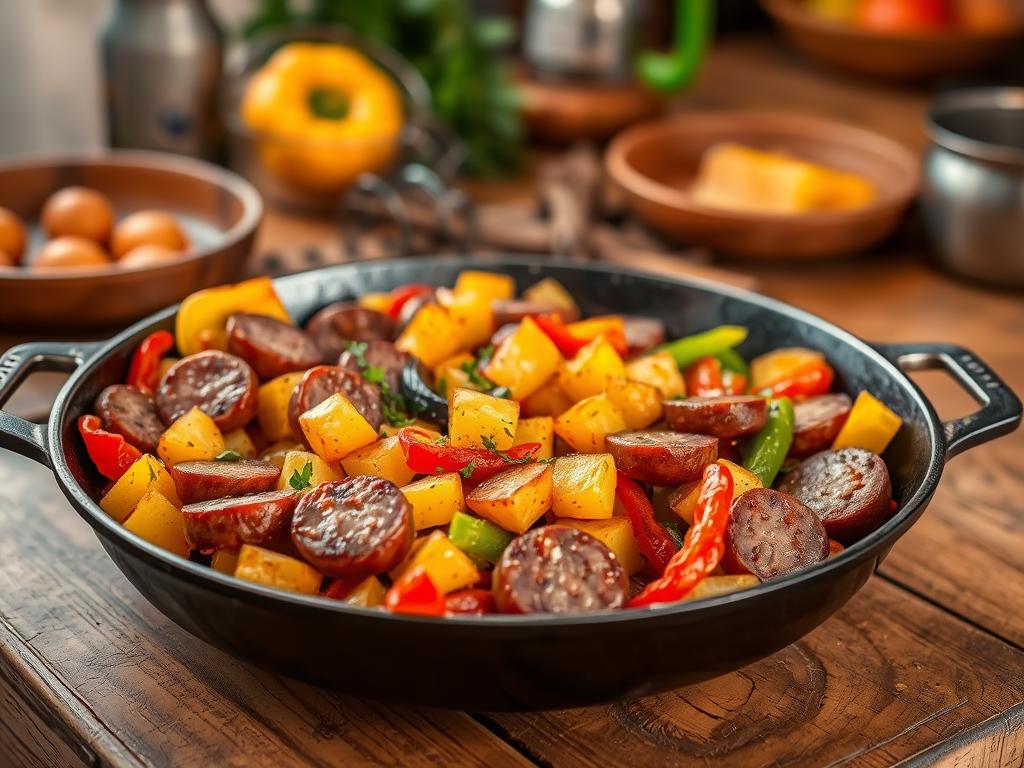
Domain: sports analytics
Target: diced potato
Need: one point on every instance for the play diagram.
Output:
(224, 561)
(616, 533)
(487, 285)
(870, 425)
(771, 367)
(598, 325)
(549, 400)
(514, 499)
(585, 425)
(159, 522)
(583, 486)
(714, 586)
(165, 366)
(431, 336)
(641, 404)
(448, 566)
(473, 316)
(742, 478)
(277, 452)
(369, 593)
(274, 397)
(435, 499)
(192, 437)
(549, 292)
(238, 440)
(146, 474)
(399, 569)
(387, 430)
(336, 428)
(660, 371)
(475, 418)
(589, 372)
(684, 499)
(455, 361)
(539, 429)
(383, 458)
(453, 379)
(295, 461)
(524, 361)
(201, 317)
(273, 569)
(378, 302)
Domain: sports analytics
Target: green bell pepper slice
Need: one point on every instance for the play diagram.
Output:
(710, 343)
(478, 537)
(768, 449)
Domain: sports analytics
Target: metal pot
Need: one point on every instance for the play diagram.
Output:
(521, 662)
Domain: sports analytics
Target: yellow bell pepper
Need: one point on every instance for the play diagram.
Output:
(202, 315)
(448, 566)
(871, 425)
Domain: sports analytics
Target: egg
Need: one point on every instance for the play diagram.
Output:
(12, 235)
(6, 260)
(147, 228)
(70, 252)
(80, 212)
(148, 255)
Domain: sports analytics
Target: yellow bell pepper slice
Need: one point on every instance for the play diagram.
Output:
(201, 317)
(871, 425)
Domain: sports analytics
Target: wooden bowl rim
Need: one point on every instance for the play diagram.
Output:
(223, 179)
(890, 196)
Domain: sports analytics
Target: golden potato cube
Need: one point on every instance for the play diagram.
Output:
(589, 372)
(159, 522)
(660, 371)
(435, 499)
(192, 437)
(549, 400)
(743, 479)
(336, 428)
(277, 452)
(399, 569)
(714, 586)
(539, 429)
(472, 314)
(583, 486)
(238, 440)
(515, 498)
(476, 418)
(295, 461)
(272, 569)
(274, 397)
(551, 293)
(431, 336)
(387, 430)
(486, 285)
(383, 458)
(684, 498)
(146, 474)
(448, 567)
(585, 425)
(368, 594)
(378, 302)
(616, 533)
(224, 561)
(641, 404)
(455, 361)
(524, 361)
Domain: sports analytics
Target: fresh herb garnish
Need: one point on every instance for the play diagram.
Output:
(394, 408)
(301, 481)
(490, 446)
(228, 456)
(472, 368)
(374, 374)
(467, 471)
(503, 392)
(675, 532)
(549, 460)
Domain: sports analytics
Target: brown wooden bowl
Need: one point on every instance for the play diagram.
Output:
(899, 56)
(219, 211)
(655, 164)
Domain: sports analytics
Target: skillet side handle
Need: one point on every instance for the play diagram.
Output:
(1000, 411)
(16, 364)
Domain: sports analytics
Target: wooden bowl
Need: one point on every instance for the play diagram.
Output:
(655, 164)
(899, 56)
(219, 211)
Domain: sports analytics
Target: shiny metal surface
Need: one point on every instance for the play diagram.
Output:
(593, 39)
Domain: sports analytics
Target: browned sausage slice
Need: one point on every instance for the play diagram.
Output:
(557, 569)
(269, 345)
(818, 421)
(377, 354)
(514, 310)
(353, 528)
(726, 416)
(661, 457)
(849, 490)
(230, 523)
(205, 480)
(345, 321)
(132, 414)
(222, 386)
(772, 534)
(642, 333)
(321, 382)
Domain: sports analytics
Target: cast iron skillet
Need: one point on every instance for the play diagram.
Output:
(512, 662)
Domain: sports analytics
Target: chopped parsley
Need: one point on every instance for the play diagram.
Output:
(301, 481)
(228, 456)
(472, 369)
(468, 470)
(394, 408)
(490, 446)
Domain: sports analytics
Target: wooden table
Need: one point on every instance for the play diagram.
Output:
(925, 664)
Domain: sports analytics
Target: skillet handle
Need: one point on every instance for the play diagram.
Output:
(1000, 410)
(16, 364)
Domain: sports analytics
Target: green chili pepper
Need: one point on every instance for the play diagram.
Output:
(478, 537)
(732, 360)
(690, 349)
(768, 449)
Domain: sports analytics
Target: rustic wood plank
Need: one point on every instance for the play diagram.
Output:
(996, 743)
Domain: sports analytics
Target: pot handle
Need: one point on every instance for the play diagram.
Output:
(1000, 410)
(16, 364)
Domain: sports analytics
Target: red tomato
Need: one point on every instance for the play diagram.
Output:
(899, 16)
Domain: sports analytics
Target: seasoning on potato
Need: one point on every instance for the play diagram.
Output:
(70, 252)
(80, 212)
(147, 228)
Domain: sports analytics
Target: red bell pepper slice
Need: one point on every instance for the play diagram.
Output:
(401, 295)
(568, 343)
(469, 602)
(815, 378)
(474, 464)
(339, 589)
(145, 366)
(706, 378)
(111, 454)
(703, 544)
(654, 541)
(415, 593)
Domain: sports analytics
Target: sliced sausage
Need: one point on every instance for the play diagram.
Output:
(772, 534)
(131, 413)
(353, 528)
(321, 382)
(378, 354)
(557, 569)
(642, 333)
(849, 490)
(222, 386)
(205, 480)
(230, 523)
(270, 346)
(727, 416)
(514, 310)
(661, 457)
(817, 422)
(336, 324)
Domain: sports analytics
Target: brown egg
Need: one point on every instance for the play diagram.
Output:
(78, 211)
(148, 255)
(6, 260)
(12, 234)
(147, 228)
(70, 253)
